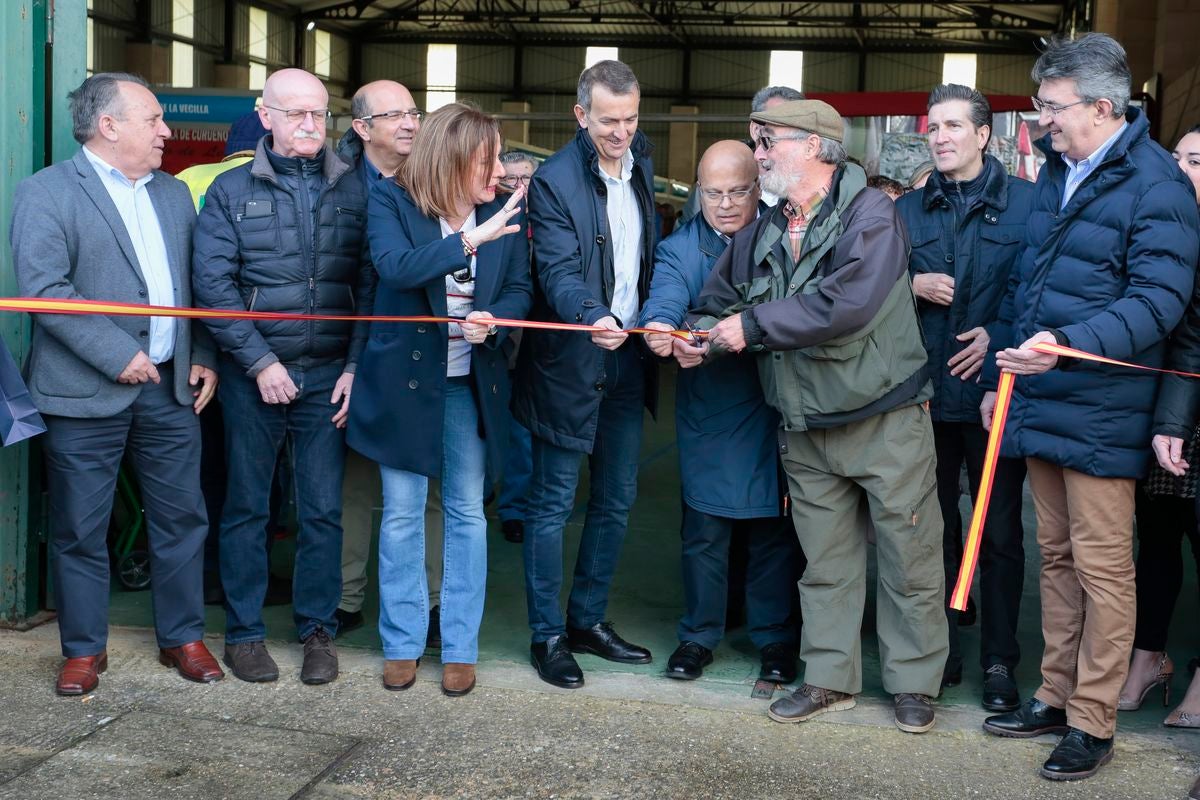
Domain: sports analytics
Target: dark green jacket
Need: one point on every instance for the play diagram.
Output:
(837, 332)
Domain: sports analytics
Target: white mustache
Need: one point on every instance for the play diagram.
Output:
(302, 134)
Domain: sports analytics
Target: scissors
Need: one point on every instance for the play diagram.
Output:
(695, 335)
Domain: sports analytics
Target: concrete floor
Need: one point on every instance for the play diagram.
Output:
(629, 733)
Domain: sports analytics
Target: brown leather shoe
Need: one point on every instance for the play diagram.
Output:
(80, 675)
(399, 674)
(807, 702)
(457, 679)
(193, 661)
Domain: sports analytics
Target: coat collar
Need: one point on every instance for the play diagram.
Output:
(640, 148)
(332, 168)
(995, 187)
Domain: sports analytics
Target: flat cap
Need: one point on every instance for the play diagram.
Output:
(815, 116)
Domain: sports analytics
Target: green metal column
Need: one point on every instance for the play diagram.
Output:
(32, 56)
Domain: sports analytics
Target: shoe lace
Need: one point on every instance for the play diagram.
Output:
(319, 640)
(999, 670)
(900, 698)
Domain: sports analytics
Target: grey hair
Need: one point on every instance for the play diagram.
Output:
(95, 97)
(1095, 62)
(359, 107)
(831, 152)
(516, 156)
(980, 110)
(759, 101)
(615, 76)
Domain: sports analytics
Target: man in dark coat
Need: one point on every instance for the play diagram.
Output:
(720, 408)
(592, 210)
(967, 229)
(1108, 269)
(285, 233)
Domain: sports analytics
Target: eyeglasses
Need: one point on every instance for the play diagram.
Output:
(513, 180)
(1041, 106)
(319, 115)
(768, 142)
(415, 114)
(736, 197)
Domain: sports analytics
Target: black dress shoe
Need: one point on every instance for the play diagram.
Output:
(513, 530)
(555, 664)
(1078, 755)
(1032, 718)
(601, 640)
(688, 661)
(433, 635)
(778, 663)
(348, 620)
(1000, 690)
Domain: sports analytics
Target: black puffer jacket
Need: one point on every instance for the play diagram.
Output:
(266, 242)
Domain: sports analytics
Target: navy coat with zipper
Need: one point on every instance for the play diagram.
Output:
(719, 406)
(398, 409)
(1111, 274)
(560, 374)
(979, 250)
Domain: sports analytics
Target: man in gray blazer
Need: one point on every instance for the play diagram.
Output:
(108, 225)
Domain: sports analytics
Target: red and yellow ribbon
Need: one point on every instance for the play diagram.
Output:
(35, 305)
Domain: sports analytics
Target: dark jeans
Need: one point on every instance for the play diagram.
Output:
(613, 466)
(1162, 523)
(83, 456)
(254, 434)
(769, 582)
(1002, 556)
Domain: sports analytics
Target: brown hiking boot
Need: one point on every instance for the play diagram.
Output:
(457, 679)
(807, 702)
(914, 712)
(399, 674)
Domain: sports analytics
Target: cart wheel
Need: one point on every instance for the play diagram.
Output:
(133, 570)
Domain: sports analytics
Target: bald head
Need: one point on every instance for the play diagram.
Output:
(386, 119)
(287, 93)
(728, 169)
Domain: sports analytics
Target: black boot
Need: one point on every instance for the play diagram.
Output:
(555, 664)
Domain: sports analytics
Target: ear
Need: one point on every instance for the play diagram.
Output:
(1104, 109)
(580, 116)
(264, 117)
(106, 126)
(362, 129)
(984, 132)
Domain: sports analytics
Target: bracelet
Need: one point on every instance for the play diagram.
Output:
(468, 250)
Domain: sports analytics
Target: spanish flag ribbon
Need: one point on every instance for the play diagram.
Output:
(35, 305)
(966, 570)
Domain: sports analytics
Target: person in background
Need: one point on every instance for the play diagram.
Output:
(1166, 513)
(1108, 268)
(285, 232)
(720, 408)
(513, 497)
(920, 175)
(966, 229)
(109, 225)
(385, 122)
(431, 400)
(889, 186)
(592, 209)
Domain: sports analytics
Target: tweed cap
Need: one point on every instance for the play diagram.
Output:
(815, 116)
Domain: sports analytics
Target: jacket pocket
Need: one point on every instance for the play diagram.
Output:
(258, 233)
(836, 352)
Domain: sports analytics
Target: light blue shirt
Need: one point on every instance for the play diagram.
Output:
(625, 238)
(1077, 171)
(132, 200)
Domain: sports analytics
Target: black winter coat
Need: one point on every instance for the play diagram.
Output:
(560, 374)
(261, 246)
(979, 251)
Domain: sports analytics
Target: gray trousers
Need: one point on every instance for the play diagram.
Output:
(888, 459)
(83, 456)
(361, 483)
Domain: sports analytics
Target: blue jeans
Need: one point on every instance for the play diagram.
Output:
(613, 466)
(254, 434)
(403, 596)
(518, 465)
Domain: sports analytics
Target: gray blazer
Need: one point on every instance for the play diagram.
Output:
(68, 241)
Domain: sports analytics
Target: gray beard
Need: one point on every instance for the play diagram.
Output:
(775, 182)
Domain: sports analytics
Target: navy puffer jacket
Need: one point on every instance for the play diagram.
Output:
(1110, 273)
(979, 250)
(261, 245)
